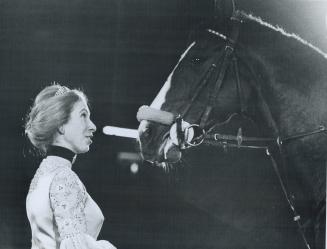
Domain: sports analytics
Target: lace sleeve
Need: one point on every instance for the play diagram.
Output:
(68, 197)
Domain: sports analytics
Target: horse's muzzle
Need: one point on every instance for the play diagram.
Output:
(172, 154)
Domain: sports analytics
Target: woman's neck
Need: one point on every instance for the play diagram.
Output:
(63, 152)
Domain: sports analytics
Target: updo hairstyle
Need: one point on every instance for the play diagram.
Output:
(51, 109)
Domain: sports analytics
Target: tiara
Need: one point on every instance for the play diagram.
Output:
(61, 90)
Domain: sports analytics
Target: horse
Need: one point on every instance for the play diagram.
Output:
(244, 84)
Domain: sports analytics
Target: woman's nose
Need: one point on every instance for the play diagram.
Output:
(93, 128)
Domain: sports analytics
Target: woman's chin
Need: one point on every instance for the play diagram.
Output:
(83, 150)
(86, 149)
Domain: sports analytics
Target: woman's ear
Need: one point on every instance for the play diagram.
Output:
(61, 130)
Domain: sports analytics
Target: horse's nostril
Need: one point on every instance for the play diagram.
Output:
(146, 132)
(148, 157)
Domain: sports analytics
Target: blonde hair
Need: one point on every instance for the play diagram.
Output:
(51, 109)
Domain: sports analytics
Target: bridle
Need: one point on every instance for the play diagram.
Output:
(217, 72)
(238, 140)
(219, 75)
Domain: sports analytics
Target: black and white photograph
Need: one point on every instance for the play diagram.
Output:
(176, 124)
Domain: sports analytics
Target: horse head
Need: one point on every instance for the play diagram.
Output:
(227, 70)
(203, 89)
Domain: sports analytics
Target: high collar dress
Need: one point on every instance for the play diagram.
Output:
(61, 213)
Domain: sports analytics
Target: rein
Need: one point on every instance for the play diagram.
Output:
(254, 142)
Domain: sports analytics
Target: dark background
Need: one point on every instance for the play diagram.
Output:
(120, 53)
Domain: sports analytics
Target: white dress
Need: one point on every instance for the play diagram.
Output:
(61, 213)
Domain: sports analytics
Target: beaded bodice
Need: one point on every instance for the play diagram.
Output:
(60, 210)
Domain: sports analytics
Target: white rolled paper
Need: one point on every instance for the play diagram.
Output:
(120, 132)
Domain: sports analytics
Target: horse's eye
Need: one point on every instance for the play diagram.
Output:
(196, 60)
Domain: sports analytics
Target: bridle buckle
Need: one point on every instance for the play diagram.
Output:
(185, 135)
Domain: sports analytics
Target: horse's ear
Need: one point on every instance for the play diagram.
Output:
(216, 17)
(223, 9)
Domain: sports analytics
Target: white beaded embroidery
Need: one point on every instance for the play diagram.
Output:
(47, 166)
(68, 197)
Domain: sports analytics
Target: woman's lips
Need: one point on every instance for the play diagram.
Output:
(89, 139)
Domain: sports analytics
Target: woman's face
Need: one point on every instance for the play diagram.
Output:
(78, 131)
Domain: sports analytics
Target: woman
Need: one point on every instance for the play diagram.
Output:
(60, 211)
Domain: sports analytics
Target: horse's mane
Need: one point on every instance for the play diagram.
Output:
(283, 32)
